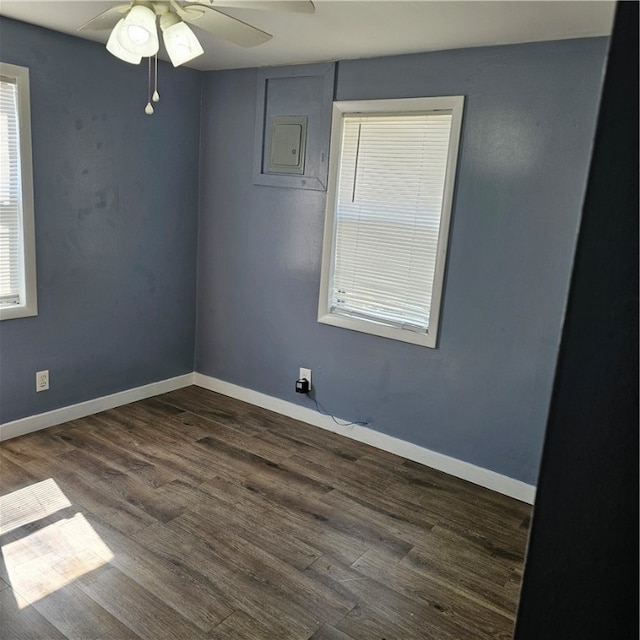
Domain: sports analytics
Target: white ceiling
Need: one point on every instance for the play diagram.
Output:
(344, 29)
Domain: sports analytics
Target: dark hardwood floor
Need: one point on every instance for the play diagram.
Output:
(192, 515)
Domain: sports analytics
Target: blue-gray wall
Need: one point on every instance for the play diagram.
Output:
(116, 198)
(483, 395)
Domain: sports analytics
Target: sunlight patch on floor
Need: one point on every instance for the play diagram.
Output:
(30, 504)
(53, 556)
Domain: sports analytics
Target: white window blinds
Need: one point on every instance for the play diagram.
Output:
(388, 211)
(11, 242)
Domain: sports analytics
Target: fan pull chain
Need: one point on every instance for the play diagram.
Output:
(156, 95)
(149, 108)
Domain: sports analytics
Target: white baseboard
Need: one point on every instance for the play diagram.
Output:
(458, 468)
(75, 411)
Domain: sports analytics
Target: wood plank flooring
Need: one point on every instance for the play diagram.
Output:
(192, 516)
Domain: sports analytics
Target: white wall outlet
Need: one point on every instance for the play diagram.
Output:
(305, 373)
(42, 380)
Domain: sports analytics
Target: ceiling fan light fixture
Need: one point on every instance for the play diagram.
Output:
(138, 33)
(115, 48)
(180, 42)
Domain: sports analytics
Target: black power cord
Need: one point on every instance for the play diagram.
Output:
(302, 386)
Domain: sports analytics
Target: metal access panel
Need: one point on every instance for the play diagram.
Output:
(288, 143)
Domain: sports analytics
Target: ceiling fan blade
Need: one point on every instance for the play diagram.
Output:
(222, 25)
(106, 20)
(296, 6)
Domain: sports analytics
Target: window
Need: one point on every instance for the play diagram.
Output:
(17, 244)
(391, 179)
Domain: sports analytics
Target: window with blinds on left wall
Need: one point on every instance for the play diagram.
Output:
(17, 234)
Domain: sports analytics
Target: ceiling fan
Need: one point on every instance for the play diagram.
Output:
(134, 32)
(203, 14)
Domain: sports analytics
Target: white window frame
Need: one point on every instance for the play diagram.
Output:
(455, 105)
(28, 305)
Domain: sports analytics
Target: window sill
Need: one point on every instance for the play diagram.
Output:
(378, 329)
(13, 312)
